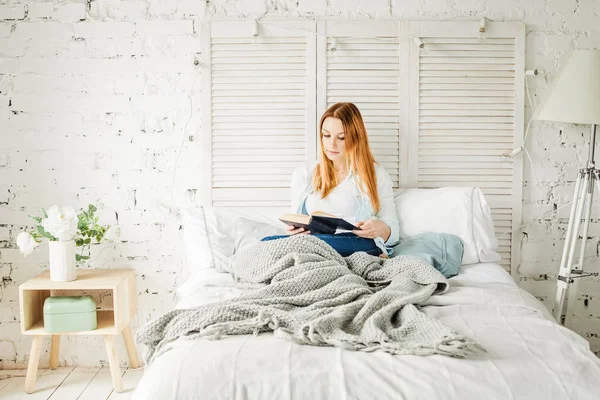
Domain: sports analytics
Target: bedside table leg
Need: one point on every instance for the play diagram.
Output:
(54, 349)
(34, 359)
(113, 361)
(134, 362)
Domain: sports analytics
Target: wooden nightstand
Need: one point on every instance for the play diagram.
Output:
(110, 322)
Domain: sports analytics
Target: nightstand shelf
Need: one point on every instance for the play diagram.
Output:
(106, 326)
(121, 284)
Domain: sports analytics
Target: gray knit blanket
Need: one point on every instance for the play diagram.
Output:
(304, 291)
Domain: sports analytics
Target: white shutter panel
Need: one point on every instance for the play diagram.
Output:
(260, 116)
(366, 72)
(466, 111)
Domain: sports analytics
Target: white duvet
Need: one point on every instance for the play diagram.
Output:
(529, 356)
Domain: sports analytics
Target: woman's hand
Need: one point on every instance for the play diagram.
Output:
(372, 228)
(290, 230)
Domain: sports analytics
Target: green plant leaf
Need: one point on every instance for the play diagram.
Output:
(79, 242)
(87, 241)
(36, 219)
(98, 238)
(45, 213)
(44, 233)
(77, 257)
(85, 257)
(92, 208)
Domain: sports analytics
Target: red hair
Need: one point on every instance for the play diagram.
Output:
(358, 154)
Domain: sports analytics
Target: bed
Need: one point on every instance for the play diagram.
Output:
(529, 356)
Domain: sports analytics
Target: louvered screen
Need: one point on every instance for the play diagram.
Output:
(365, 71)
(468, 115)
(262, 108)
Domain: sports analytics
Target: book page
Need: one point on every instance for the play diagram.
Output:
(323, 214)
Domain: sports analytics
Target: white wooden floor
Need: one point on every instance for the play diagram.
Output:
(68, 383)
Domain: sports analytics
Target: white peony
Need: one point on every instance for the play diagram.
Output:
(26, 243)
(61, 222)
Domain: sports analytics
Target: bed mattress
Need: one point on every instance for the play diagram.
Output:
(529, 356)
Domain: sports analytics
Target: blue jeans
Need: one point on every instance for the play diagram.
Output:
(344, 243)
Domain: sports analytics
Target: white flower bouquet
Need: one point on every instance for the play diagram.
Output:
(65, 230)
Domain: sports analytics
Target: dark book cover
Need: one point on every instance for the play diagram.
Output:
(335, 223)
(323, 225)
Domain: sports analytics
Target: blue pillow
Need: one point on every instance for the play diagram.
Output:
(442, 250)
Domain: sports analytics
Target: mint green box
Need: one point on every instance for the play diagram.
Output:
(69, 314)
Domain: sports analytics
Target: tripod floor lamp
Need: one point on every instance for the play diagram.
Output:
(575, 98)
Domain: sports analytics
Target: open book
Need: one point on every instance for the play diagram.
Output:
(317, 222)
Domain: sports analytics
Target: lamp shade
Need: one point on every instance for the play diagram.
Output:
(575, 93)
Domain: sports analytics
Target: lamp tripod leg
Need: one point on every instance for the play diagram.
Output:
(572, 289)
(584, 188)
(565, 271)
(574, 237)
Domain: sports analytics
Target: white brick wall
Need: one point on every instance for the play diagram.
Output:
(99, 98)
(10, 12)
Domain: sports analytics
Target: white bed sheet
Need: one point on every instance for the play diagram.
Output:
(529, 356)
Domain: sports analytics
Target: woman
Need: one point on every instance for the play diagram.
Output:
(348, 183)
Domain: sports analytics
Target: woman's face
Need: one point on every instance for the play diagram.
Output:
(333, 139)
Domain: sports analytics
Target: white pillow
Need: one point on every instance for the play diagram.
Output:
(213, 234)
(197, 246)
(247, 233)
(461, 211)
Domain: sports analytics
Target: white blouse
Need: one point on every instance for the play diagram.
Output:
(339, 202)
